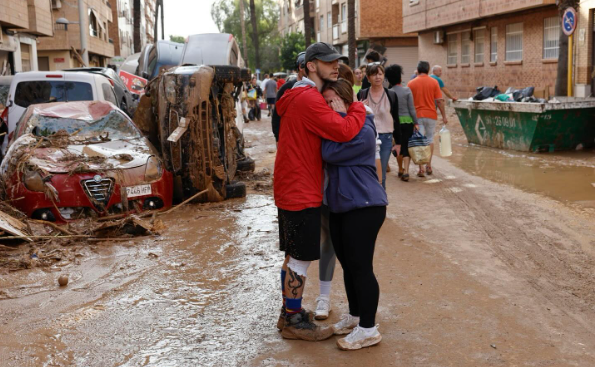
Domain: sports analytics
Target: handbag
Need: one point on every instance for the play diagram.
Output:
(419, 148)
(252, 94)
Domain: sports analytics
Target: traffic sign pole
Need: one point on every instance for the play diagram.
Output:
(568, 27)
(570, 48)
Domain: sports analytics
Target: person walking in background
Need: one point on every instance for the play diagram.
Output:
(358, 74)
(385, 104)
(300, 66)
(436, 74)
(357, 205)
(372, 57)
(407, 117)
(270, 93)
(426, 95)
(254, 93)
(280, 82)
(306, 119)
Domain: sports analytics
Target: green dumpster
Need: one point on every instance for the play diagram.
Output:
(529, 127)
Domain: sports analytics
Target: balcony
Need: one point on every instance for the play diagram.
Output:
(344, 26)
(335, 31)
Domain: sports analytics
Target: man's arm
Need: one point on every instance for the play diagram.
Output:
(447, 92)
(276, 119)
(321, 120)
(440, 102)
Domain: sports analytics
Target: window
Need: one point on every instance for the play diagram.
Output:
(452, 49)
(551, 34)
(108, 93)
(479, 41)
(317, 4)
(465, 47)
(329, 20)
(92, 24)
(494, 44)
(321, 23)
(514, 42)
(343, 12)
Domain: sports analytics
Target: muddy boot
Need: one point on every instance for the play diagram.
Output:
(300, 326)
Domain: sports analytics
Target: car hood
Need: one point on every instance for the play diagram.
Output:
(116, 154)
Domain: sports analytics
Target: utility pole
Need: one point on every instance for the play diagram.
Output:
(352, 46)
(243, 24)
(84, 31)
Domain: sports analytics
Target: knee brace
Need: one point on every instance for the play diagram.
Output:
(298, 266)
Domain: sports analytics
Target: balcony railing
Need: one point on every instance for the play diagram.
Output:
(335, 31)
(344, 26)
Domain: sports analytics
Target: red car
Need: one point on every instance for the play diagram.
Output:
(71, 160)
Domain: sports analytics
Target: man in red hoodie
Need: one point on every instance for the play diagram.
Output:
(306, 120)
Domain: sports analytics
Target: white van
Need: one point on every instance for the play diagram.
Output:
(53, 86)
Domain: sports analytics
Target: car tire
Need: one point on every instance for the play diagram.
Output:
(231, 74)
(246, 165)
(235, 190)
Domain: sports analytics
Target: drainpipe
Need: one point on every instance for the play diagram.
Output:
(84, 30)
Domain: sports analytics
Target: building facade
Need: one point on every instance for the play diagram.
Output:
(23, 23)
(378, 25)
(56, 53)
(506, 43)
(121, 30)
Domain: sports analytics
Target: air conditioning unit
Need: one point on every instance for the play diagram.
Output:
(56, 4)
(438, 37)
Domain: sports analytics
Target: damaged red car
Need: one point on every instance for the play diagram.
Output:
(73, 160)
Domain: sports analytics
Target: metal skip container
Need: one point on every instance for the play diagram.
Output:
(561, 125)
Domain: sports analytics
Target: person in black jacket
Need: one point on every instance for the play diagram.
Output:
(253, 103)
(300, 65)
(385, 104)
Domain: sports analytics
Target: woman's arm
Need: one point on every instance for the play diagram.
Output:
(411, 107)
(351, 152)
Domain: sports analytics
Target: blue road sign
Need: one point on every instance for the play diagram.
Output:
(569, 21)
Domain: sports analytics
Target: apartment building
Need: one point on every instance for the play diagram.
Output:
(55, 53)
(378, 25)
(22, 24)
(121, 30)
(508, 43)
(150, 8)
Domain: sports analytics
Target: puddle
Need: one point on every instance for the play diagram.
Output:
(564, 176)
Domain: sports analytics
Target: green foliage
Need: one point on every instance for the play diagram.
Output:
(291, 45)
(226, 15)
(179, 39)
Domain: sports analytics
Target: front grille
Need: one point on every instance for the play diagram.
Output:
(99, 192)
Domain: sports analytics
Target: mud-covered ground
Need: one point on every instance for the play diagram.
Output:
(487, 263)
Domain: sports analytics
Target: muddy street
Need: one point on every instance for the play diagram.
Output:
(489, 262)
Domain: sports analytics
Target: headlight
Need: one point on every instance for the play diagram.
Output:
(153, 170)
(33, 181)
(170, 88)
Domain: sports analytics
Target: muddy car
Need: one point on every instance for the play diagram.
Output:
(73, 160)
(189, 112)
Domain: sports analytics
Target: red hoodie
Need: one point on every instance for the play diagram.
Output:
(305, 120)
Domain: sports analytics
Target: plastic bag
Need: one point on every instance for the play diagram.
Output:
(486, 92)
(252, 94)
(419, 148)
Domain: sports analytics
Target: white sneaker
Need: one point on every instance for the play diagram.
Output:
(323, 308)
(346, 324)
(360, 338)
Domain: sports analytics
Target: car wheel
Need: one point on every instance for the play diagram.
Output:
(246, 165)
(235, 189)
(231, 74)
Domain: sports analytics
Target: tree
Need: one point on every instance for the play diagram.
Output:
(352, 46)
(243, 26)
(226, 15)
(307, 23)
(179, 39)
(255, 42)
(291, 45)
(561, 88)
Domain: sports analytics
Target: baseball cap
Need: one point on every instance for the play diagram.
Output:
(324, 52)
(301, 60)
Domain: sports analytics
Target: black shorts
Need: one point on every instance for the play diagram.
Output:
(406, 133)
(299, 233)
(271, 100)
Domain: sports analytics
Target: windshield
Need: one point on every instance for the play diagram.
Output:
(113, 126)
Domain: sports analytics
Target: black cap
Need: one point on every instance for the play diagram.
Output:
(324, 52)
(300, 62)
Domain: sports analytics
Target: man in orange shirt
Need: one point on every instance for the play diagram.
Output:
(426, 95)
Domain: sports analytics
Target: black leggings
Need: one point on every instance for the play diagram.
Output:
(354, 236)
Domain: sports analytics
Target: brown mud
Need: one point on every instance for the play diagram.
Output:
(472, 272)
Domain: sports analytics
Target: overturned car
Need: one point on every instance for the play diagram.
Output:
(73, 160)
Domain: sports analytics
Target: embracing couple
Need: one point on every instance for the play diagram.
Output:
(322, 125)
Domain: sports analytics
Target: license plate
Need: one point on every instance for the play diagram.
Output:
(138, 190)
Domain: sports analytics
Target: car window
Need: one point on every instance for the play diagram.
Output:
(152, 61)
(108, 93)
(113, 126)
(45, 91)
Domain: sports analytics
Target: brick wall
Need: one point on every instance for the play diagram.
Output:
(14, 13)
(113, 27)
(463, 79)
(381, 18)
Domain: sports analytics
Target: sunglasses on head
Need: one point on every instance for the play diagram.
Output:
(374, 63)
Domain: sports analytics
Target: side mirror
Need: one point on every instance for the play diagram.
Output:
(145, 75)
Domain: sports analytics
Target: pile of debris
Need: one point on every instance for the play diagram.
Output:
(493, 94)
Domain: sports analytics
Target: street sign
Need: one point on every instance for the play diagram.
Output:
(569, 21)
(257, 71)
